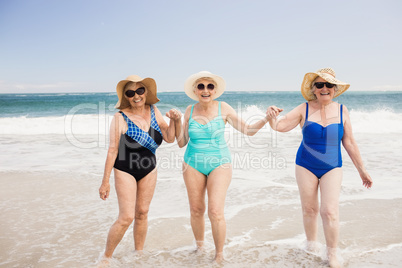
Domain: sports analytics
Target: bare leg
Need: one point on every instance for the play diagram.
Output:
(308, 189)
(217, 184)
(126, 189)
(330, 187)
(145, 192)
(196, 186)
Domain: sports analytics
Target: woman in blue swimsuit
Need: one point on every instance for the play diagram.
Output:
(207, 161)
(136, 131)
(325, 125)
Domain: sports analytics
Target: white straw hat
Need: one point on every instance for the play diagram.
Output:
(189, 84)
(328, 74)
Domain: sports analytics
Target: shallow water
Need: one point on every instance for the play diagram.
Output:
(51, 169)
(53, 216)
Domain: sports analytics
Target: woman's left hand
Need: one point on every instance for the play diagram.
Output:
(367, 181)
(273, 112)
(174, 114)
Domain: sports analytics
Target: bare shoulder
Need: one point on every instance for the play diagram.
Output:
(301, 108)
(187, 112)
(226, 108)
(155, 109)
(345, 109)
(225, 105)
(118, 116)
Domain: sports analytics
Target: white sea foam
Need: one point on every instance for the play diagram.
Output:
(379, 121)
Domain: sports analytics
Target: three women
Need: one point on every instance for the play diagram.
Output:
(207, 165)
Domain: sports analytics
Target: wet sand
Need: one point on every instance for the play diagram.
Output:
(53, 219)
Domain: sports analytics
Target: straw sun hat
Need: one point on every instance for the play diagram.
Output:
(189, 84)
(149, 84)
(328, 74)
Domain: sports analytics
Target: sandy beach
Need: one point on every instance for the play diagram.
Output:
(53, 217)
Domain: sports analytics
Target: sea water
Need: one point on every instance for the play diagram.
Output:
(52, 153)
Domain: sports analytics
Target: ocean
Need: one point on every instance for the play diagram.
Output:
(52, 153)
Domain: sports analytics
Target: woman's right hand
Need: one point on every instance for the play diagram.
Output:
(104, 190)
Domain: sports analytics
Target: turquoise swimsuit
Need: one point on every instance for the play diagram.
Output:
(207, 148)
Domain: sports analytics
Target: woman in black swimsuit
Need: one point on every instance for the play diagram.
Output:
(135, 133)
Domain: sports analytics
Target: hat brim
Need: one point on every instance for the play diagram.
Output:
(149, 84)
(310, 77)
(189, 84)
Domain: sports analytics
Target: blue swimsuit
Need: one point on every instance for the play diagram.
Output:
(320, 149)
(137, 148)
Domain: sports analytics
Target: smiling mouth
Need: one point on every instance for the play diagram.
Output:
(205, 96)
(324, 94)
(136, 101)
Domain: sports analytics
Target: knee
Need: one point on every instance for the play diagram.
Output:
(141, 214)
(329, 213)
(310, 211)
(215, 214)
(125, 220)
(197, 211)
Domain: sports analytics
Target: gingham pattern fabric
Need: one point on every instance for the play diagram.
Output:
(139, 135)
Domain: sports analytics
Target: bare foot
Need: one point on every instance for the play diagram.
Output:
(312, 247)
(333, 258)
(200, 246)
(219, 258)
(103, 262)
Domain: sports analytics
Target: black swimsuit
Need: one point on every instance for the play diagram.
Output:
(137, 148)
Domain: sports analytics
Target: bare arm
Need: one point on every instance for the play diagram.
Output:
(168, 131)
(289, 121)
(182, 129)
(175, 116)
(239, 124)
(351, 147)
(116, 129)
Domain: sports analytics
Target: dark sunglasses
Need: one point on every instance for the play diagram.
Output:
(130, 93)
(202, 86)
(321, 85)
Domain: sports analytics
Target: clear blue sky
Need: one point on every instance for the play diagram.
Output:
(89, 45)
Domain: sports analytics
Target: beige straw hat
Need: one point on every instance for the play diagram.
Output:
(328, 74)
(149, 84)
(189, 84)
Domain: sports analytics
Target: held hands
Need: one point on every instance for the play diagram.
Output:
(174, 115)
(272, 112)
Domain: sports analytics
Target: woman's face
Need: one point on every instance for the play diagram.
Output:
(136, 94)
(205, 90)
(324, 93)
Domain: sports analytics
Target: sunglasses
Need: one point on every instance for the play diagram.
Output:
(130, 93)
(321, 85)
(202, 86)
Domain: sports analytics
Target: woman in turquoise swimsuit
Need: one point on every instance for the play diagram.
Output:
(325, 125)
(207, 162)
